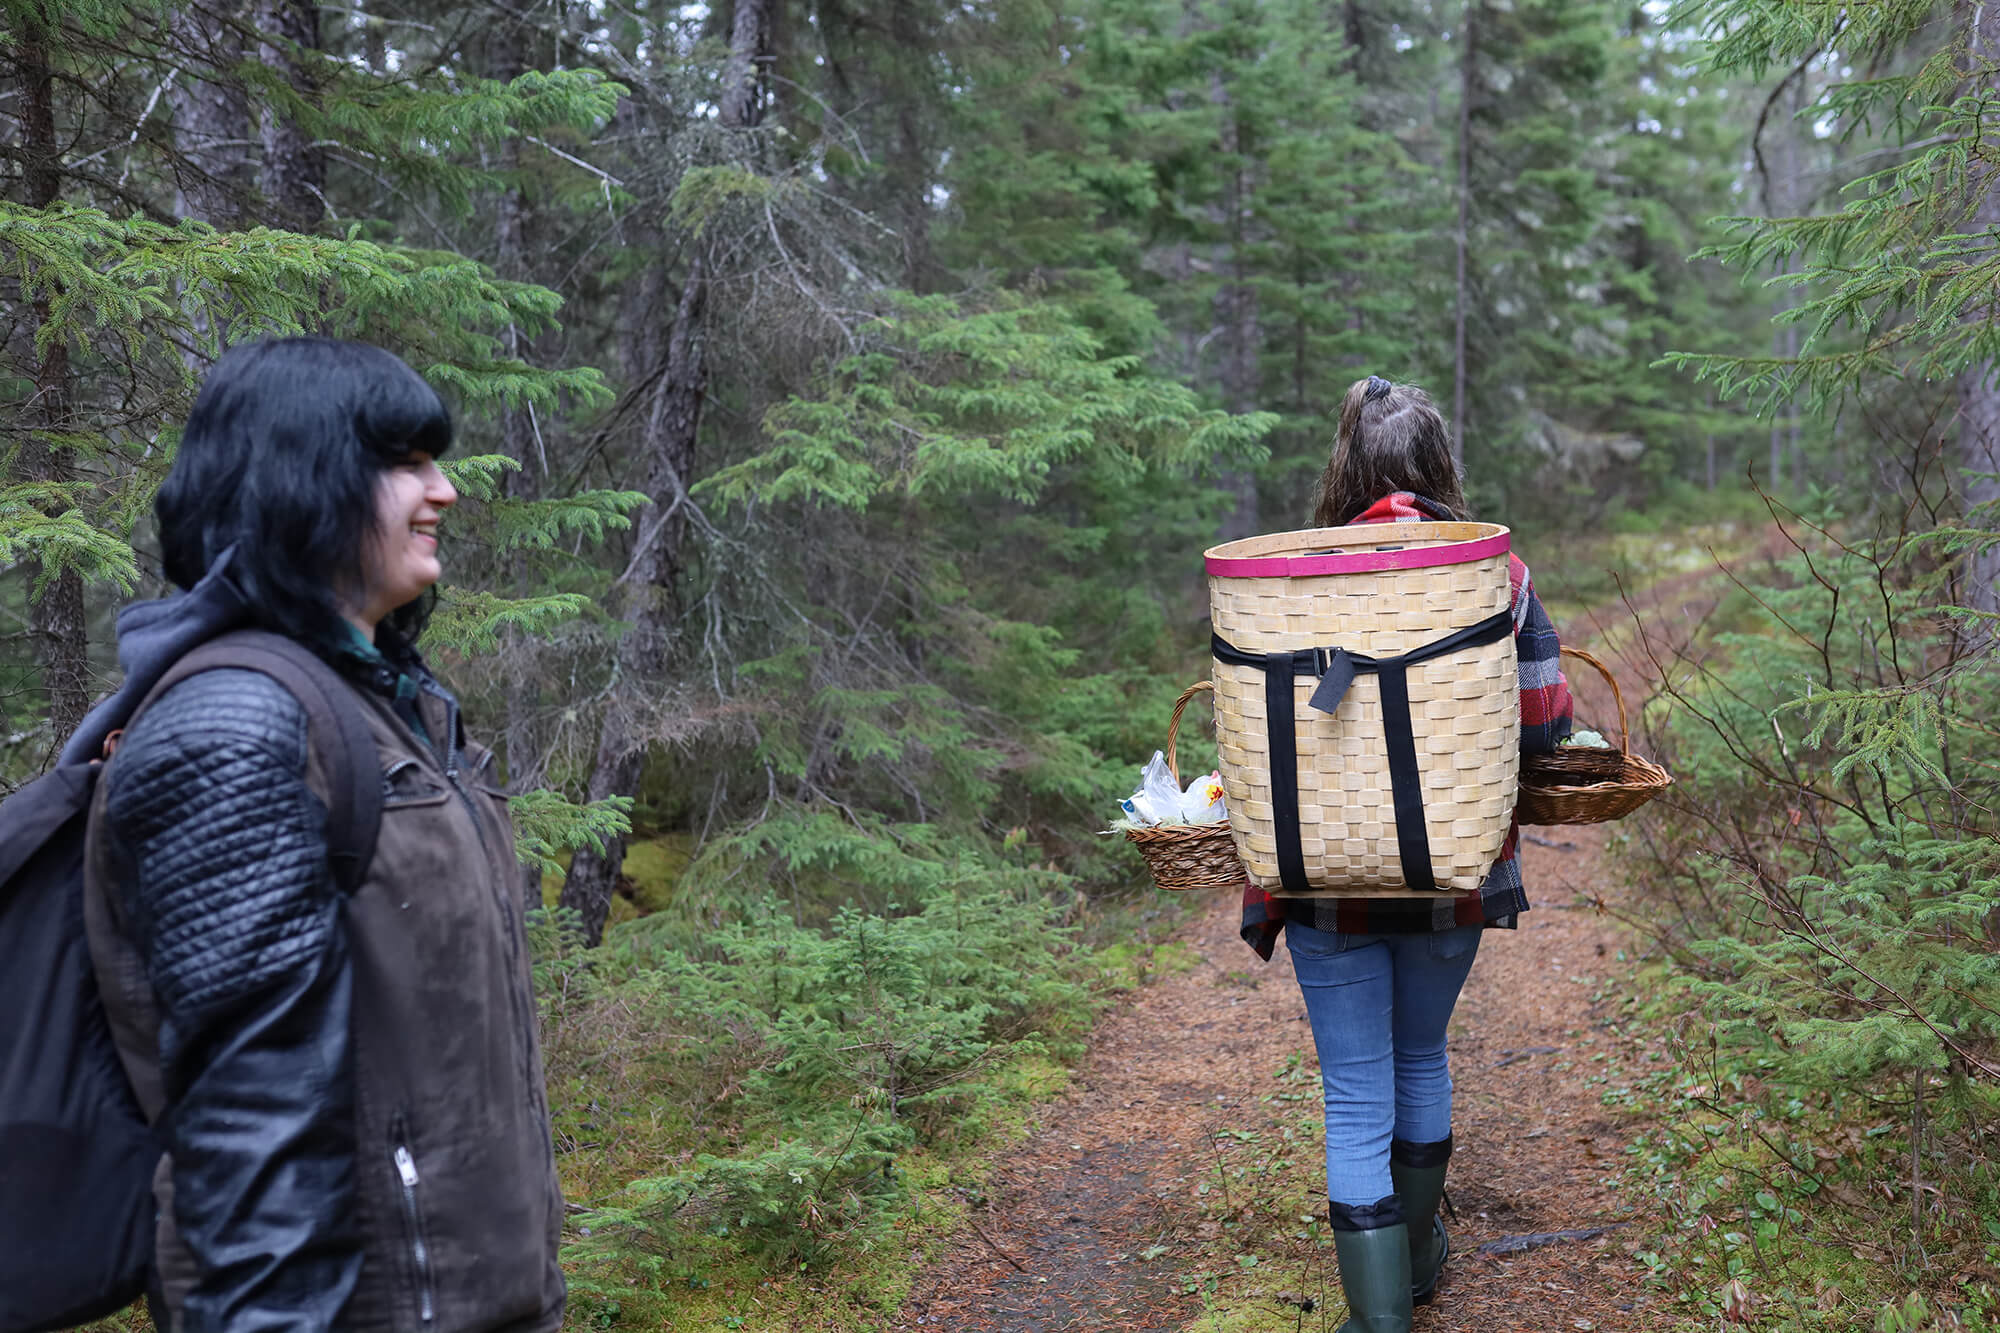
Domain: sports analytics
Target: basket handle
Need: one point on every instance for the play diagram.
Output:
(1624, 731)
(1173, 727)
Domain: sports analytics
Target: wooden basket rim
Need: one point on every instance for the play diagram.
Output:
(1638, 774)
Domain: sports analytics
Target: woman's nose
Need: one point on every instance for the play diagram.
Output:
(438, 489)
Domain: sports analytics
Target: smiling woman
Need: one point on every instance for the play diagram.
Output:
(333, 1035)
(400, 561)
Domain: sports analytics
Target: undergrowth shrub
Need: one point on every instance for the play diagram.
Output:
(1825, 891)
(795, 1202)
(741, 1083)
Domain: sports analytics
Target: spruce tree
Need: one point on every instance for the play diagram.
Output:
(1529, 259)
(119, 306)
(1895, 290)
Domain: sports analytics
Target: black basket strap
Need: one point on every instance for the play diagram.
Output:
(1278, 673)
(1336, 669)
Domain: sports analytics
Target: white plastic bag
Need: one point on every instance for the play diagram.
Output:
(1158, 800)
(1201, 803)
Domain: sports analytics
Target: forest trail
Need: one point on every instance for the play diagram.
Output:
(1106, 1216)
(1179, 1076)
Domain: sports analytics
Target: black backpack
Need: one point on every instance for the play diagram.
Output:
(76, 1155)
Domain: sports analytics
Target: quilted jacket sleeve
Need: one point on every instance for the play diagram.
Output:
(235, 914)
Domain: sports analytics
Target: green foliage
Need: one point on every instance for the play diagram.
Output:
(705, 195)
(140, 283)
(1774, 1210)
(545, 822)
(792, 1204)
(976, 403)
(994, 471)
(477, 622)
(1885, 284)
(1827, 892)
(398, 124)
(813, 1063)
(1865, 977)
(1832, 890)
(39, 526)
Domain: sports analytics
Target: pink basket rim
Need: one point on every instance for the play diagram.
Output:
(1358, 562)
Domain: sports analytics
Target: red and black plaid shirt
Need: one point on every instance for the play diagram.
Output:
(1545, 720)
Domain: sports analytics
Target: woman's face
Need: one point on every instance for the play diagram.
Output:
(401, 558)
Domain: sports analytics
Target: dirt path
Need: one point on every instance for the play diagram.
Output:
(1110, 1211)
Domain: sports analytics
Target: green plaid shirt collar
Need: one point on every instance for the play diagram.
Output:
(397, 684)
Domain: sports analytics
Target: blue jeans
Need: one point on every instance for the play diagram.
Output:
(1379, 1005)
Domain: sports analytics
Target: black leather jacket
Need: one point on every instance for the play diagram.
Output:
(348, 1090)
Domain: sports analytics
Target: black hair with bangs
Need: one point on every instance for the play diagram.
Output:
(280, 459)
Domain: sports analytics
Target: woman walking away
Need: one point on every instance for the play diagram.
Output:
(1381, 976)
(336, 1047)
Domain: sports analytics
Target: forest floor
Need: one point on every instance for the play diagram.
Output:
(1179, 1183)
(1116, 1213)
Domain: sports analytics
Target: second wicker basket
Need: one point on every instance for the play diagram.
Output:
(1579, 785)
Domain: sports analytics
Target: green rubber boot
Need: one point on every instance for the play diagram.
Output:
(1374, 1266)
(1418, 1171)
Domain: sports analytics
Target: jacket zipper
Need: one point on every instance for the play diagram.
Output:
(406, 1171)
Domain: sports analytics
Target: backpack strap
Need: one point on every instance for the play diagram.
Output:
(336, 726)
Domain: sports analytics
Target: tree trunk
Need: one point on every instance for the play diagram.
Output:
(649, 581)
(523, 739)
(56, 620)
(211, 121)
(1300, 332)
(506, 60)
(910, 47)
(1777, 423)
(294, 176)
(1979, 385)
(1467, 70)
(743, 78)
(1781, 199)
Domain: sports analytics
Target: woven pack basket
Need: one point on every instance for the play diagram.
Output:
(1188, 856)
(1587, 785)
(1376, 663)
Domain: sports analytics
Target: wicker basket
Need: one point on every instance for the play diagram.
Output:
(1188, 856)
(1381, 657)
(1586, 785)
